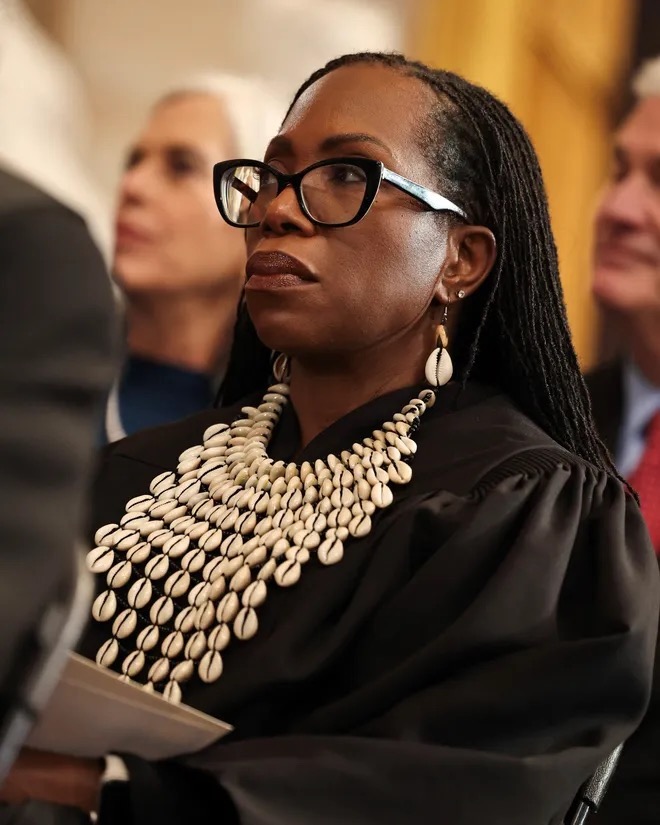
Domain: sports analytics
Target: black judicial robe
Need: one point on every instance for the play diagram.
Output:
(471, 661)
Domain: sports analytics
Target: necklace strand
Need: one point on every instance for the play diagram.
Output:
(191, 560)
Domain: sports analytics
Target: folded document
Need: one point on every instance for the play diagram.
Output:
(93, 712)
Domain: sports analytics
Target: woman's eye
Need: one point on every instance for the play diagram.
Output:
(346, 174)
(181, 163)
(133, 159)
(180, 167)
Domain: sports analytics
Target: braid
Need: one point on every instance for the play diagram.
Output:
(515, 334)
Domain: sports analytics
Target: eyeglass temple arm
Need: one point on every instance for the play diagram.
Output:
(433, 199)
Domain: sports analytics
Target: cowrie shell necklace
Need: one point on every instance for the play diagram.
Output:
(191, 561)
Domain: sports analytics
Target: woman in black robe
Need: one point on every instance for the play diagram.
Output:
(486, 635)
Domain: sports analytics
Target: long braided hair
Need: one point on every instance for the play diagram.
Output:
(514, 331)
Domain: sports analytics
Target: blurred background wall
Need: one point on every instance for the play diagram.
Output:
(560, 64)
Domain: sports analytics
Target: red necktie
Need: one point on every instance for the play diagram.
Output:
(646, 480)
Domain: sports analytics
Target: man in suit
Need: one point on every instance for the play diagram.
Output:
(56, 361)
(626, 283)
(626, 393)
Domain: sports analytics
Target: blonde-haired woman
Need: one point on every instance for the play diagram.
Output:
(179, 267)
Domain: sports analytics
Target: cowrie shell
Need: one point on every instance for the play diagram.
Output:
(230, 566)
(159, 671)
(210, 541)
(183, 671)
(256, 557)
(246, 624)
(204, 615)
(157, 567)
(147, 638)
(150, 526)
(176, 513)
(381, 495)
(194, 560)
(213, 569)
(288, 573)
(196, 646)
(162, 610)
(139, 504)
(125, 539)
(228, 607)
(107, 653)
(218, 588)
(199, 594)
(185, 620)
(267, 571)
(119, 575)
(172, 693)
(162, 482)
(197, 530)
(232, 545)
(176, 546)
(133, 663)
(134, 521)
(100, 559)
(172, 644)
(177, 584)
(219, 637)
(359, 526)
(399, 472)
(254, 594)
(213, 430)
(104, 606)
(330, 551)
(308, 539)
(139, 594)
(210, 667)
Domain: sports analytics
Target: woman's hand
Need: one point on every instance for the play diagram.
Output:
(50, 777)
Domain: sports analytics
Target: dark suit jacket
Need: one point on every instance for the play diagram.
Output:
(634, 796)
(56, 361)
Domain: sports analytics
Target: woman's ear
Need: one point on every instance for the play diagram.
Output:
(471, 253)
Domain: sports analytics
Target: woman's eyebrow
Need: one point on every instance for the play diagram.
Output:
(282, 145)
(335, 141)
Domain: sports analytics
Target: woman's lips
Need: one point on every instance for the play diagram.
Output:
(127, 234)
(276, 270)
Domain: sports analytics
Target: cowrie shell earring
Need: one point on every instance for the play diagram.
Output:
(439, 368)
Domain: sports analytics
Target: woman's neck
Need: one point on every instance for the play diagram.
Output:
(322, 393)
(189, 331)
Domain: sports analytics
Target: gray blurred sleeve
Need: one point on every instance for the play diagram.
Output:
(57, 344)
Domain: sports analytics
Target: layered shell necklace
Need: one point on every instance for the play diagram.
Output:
(190, 562)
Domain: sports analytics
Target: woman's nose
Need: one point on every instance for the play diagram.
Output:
(284, 214)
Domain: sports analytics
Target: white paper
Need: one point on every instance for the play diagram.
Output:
(92, 713)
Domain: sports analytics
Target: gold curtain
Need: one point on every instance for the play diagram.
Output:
(558, 64)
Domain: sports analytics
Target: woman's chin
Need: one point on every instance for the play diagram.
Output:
(140, 279)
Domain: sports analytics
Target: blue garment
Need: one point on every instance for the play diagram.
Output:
(641, 400)
(150, 393)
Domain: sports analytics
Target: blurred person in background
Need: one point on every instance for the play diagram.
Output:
(180, 268)
(57, 325)
(626, 393)
(626, 283)
(45, 119)
(57, 337)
